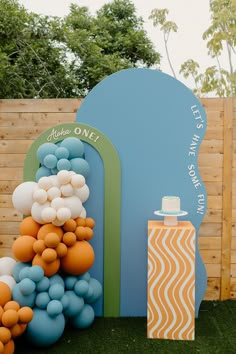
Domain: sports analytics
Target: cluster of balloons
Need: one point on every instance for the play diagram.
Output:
(53, 199)
(55, 248)
(14, 317)
(55, 301)
(67, 155)
(54, 239)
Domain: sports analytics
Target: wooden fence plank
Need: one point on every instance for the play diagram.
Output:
(227, 201)
(40, 105)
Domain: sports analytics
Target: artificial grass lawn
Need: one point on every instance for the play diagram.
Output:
(215, 333)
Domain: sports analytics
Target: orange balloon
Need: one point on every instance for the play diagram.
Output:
(1, 347)
(90, 222)
(29, 226)
(12, 305)
(18, 329)
(49, 268)
(22, 248)
(79, 258)
(49, 255)
(69, 238)
(80, 233)
(39, 246)
(70, 225)
(52, 240)
(5, 294)
(10, 318)
(9, 347)
(25, 314)
(1, 313)
(61, 250)
(80, 221)
(5, 335)
(47, 228)
(89, 233)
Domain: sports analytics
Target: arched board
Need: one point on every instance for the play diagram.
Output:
(156, 124)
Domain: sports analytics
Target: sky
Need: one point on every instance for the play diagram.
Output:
(191, 16)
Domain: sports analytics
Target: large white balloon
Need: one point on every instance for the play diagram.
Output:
(82, 193)
(7, 265)
(22, 197)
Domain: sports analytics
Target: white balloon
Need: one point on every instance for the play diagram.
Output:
(77, 181)
(7, 265)
(64, 176)
(36, 211)
(45, 183)
(82, 193)
(75, 206)
(40, 196)
(58, 222)
(9, 280)
(22, 197)
(54, 180)
(53, 193)
(48, 214)
(83, 213)
(63, 214)
(57, 203)
(67, 190)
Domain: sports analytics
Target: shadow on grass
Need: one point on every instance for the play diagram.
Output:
(215, 333)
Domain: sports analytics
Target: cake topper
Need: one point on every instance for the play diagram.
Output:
(170, 209)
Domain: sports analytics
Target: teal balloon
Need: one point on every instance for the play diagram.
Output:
(62, 153)
(43, 284)
(63, 164)
(50, 161)
(42, 172)
(75, 305)
(56, 291)
(86, 276)
(80, 166)
(24, 273)
(96, 287)
(27, 286)
(81, 287)
(42, 300)
(45, 330)
(74, 146)
(54, 308)
(44, 150)
(84, 319)
(36, 273)
(17, 269)
(56, 279)
(70, 281)
(23, 300)
(65, 301)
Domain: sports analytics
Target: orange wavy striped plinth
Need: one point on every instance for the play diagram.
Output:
(171, 281)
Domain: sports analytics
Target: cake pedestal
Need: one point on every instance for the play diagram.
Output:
(171, 281)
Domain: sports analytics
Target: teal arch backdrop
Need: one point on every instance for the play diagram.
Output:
(156, 125)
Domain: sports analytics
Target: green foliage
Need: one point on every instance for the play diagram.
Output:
(221, 38)
(44, 56)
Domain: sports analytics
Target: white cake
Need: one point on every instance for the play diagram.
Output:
(171, 204)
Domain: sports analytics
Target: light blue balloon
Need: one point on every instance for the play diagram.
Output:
(27, 286)
(43, 284)
(80, 166)
(84, 319)
(23, 300)
(44, 150)
(24, 273)
(17, 269)
(42, 300)
(63, 164)
(45, 330)
(96, 286)
(81, 287)
(86, 276)
(75, 305)
(42, 172)
(74, 146)
(36, 273)
(50, 161)
(54, 308)
(65, 301)
(56, 291)
(62, 153)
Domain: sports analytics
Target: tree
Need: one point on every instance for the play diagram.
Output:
(112, 40)
(43, 56)
(220, 36)
(159, 19)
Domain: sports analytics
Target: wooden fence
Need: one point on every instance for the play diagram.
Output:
(22, 121)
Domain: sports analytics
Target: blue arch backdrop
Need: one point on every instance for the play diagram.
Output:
(157, 125)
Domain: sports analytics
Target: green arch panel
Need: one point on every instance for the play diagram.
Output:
(112, 199)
